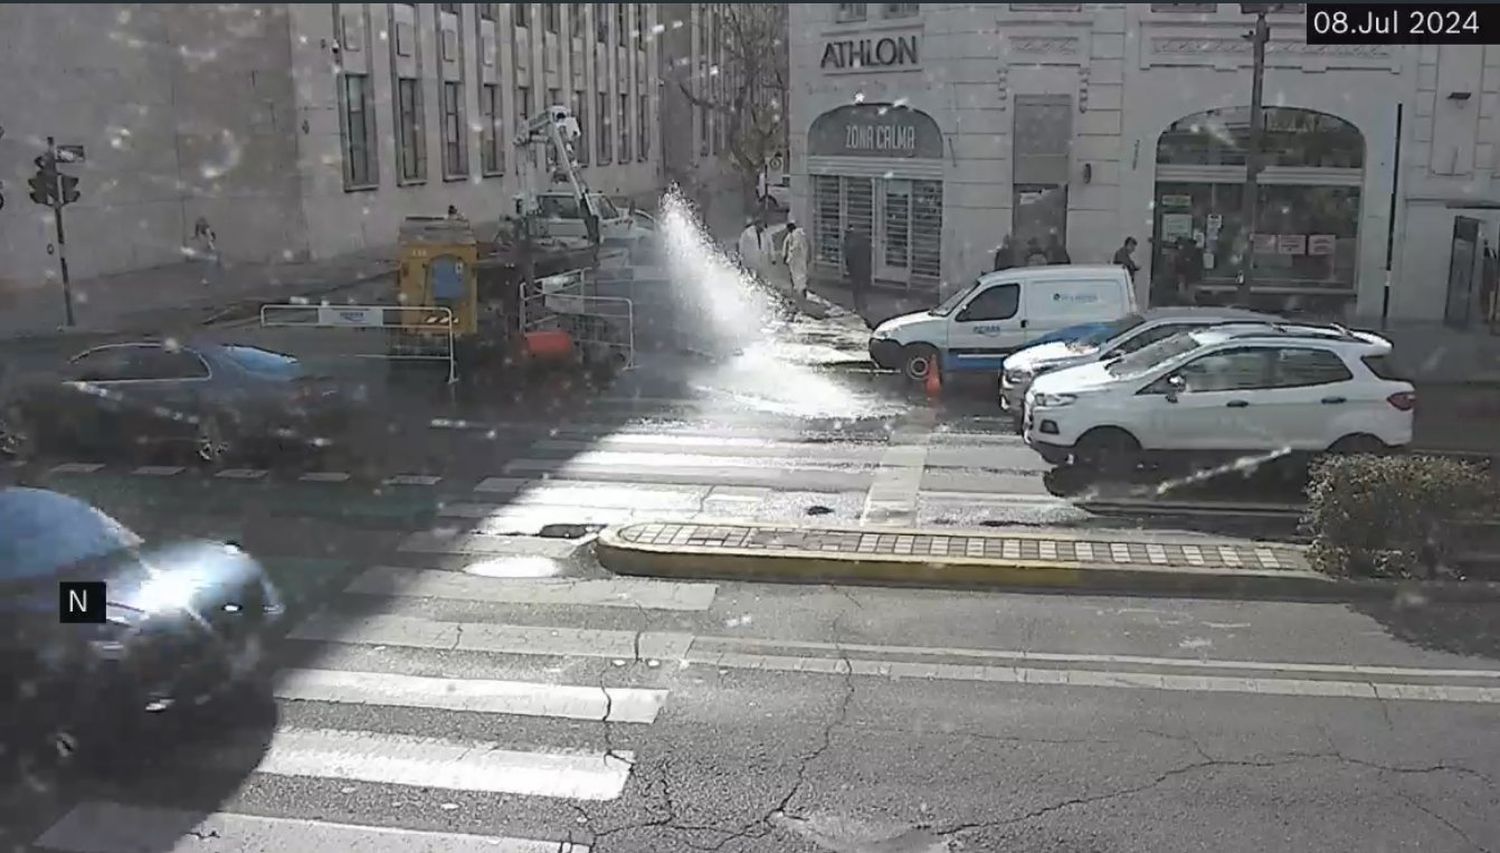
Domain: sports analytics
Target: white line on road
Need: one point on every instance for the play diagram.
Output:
(76, 468)
(493, 638)
(477, 695)
(436, 763)
(100, 827)
(467, 543)
(412, 480)
(158, 470)
(241, 474)
(643, 461)
(1104, 678)
(324, 477)
(893, 495)
(618, 592)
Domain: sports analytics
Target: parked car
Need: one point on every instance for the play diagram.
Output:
(779, 193)
(975, 328)
(1225, 391)
(1107, 341)
(216, 398)
(185, 622)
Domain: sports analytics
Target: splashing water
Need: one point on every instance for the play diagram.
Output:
(725, 307)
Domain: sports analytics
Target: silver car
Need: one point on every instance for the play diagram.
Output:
(1122, 337)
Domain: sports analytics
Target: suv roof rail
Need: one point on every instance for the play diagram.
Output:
(1306, 330)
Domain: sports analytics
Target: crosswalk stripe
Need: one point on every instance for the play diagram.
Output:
(668, 461)
(429, 762)
(495, 638)
(158, 470)
(595, 493)
(673, 440)
(324, 477)
(618, 592)
(102, 827)
(76, 468)
(477, 544)
(412, 480)
(521, 698)
(241, 474)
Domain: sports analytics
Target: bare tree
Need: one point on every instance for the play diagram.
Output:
(747, 88)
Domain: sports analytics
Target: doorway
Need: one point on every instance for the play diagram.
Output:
(1462, 264)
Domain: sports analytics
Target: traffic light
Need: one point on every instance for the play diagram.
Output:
(69, 186)
(42, 188)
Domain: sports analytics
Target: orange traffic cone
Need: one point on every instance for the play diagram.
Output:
(933, 383)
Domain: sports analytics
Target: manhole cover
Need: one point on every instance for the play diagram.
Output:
(568, 531)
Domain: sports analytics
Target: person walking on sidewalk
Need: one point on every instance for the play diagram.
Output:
(794, 255)
(1056, 252)
(752, 248)
(1122, 257)
(1005, 256)
(205, 247)
(857, 262)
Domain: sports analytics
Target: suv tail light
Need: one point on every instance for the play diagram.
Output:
(1403, 400)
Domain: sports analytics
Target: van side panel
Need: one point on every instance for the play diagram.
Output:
(1052, 305)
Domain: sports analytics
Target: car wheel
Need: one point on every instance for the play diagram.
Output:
(1108, 450)
(18, 439)
(212, 444)
(917, 360)
(1351, 445)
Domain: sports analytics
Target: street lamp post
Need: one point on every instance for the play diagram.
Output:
(1258, 38)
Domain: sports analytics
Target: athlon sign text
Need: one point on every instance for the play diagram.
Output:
(887, 52)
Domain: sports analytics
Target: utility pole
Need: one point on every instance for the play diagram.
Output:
(1258, 38)
(51, 187)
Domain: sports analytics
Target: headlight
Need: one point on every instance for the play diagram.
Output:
(1052, 401)
(1019, 374)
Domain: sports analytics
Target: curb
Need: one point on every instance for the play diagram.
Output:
(814, 567)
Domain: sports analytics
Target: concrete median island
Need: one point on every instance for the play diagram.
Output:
(1098, 561)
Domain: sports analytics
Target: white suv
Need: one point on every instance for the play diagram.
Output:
(1224, 391)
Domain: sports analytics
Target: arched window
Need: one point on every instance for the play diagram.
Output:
(1291, 137)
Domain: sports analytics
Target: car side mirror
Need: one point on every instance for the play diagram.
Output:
(1175, 386)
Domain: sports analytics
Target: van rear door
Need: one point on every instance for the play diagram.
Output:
(1059, 303)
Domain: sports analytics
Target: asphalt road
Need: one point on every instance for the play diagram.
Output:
(464, 676)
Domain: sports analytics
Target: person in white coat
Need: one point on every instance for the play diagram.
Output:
(795, 254)
(753, 248)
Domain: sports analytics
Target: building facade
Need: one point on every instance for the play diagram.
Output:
(942, 128)
(304, 130)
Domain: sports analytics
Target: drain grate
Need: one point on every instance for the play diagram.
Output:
(569, 531)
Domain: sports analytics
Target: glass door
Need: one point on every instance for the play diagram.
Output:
(892, 245)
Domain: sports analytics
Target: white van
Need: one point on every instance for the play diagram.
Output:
(977, 327)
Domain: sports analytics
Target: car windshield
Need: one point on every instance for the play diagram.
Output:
(263, 361)
(946, 307)
(1149, 357)
(1109, 332)
(44, 532)
(604, 208)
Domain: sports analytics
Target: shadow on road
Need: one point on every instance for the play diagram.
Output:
(1462, 629)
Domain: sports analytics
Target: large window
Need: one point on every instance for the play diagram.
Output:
(602, 113)
(601, 23)
(520, 15)
(411, 145)
(849, 11)
(1290, 137)
(523, 116)
(491, 158)
(487, 11)
(455, 151)
(620, 26)
(624, 128)
(643, 128)
(901, 10)
(575, 20)
(581, 149)
(551, 17)
(640, 26)
(359, 132)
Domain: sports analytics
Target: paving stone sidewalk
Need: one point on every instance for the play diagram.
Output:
(1092, 550)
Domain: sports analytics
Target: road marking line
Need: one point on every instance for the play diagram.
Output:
(1267, 558)
(481, 544)
(102, 827)
(324, 477)
(1097, 678)
(76, 468)
(897, 484)
(415, 632)
(644, 461)
(158, 470)
(477, 695)
(1156, 554)
(429, 762)
(412, 480)
(1349, 669)
(1230, 556)
(619, 592)
(241, 474)
(1119, 552)
(1193, 554)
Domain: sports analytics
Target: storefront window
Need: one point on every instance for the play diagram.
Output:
(1291, 137)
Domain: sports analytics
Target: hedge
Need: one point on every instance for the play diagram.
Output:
(1391, 516)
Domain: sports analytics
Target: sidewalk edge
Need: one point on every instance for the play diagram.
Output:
(689, 562)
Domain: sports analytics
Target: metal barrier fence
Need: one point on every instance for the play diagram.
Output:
(602, 327)
(409, 333)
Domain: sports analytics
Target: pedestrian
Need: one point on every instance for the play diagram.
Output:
(857, 262)
(1035, 255)
(1056, 252)
(1190, 269)
(752, 248)
(205, 247)
(1005, 256)
(1122, 257)
(794, 254)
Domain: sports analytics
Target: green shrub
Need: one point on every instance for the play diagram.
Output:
(1390, 516)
